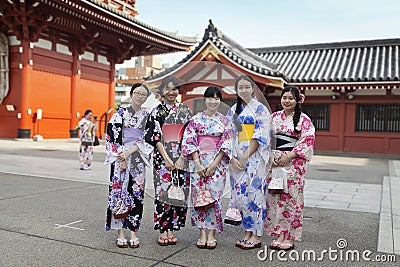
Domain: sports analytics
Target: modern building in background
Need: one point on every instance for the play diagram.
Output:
(143, 67)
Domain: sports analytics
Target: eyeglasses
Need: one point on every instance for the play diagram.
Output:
(140, 94)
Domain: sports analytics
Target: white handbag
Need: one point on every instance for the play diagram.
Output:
(175, 191)
(277, 183)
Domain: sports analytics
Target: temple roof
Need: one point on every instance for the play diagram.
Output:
(130, 17)
(109, 27)
(356, 61)
(234, 52)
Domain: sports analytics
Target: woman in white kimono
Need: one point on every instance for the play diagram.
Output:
(87, 131)
(128, 155)
(249, 163)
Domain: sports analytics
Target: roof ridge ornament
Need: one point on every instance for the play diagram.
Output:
(211, 26)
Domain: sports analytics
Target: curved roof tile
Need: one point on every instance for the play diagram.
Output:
(356, 61)
(232, 50)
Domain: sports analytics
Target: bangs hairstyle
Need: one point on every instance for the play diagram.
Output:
(136, 85)
(297, 109)
(212, 91)
(169, 79)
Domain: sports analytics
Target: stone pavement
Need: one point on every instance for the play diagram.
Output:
(376, 196)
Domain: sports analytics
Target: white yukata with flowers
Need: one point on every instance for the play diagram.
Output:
(285, 210)
(249, 185)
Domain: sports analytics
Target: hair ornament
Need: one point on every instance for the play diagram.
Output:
(302, 98)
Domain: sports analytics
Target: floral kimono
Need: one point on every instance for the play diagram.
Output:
(124, 130)
(285, 210)
(167, 216)
(249, 185)
(208, 136)
(87, 131)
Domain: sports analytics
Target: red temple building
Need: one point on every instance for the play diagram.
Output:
(58, 57)
(352, 89)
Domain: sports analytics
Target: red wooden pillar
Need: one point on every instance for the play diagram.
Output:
(342, 124)
(75, 85)
(24, 125)
(111, 87)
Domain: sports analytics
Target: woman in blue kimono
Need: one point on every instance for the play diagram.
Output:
(249, 163)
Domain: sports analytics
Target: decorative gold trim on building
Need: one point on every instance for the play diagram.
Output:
(276, 83)
(210, 50)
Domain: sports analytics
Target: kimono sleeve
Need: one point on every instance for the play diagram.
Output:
(226, 142)
(262, 130)
(304, 147)
(114, 136)
(231, 116)
(145, 149)
(153, 128)
(190, 142)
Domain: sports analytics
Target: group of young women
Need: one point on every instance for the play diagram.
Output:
(193, 155)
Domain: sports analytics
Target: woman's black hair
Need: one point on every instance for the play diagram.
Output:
(212, 91)
(297, 109)
(87, 112)
(239, 100)
(169, 79)
(136, 85)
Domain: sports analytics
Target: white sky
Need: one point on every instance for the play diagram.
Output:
(263, 23)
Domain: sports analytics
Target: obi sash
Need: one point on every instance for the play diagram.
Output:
(246, 133)
(131, 134)
(172, 132)
(208, 143)
(285, 142)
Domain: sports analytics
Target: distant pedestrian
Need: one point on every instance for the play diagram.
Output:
(251, 152)
(87, 132)
(207, 143)
(128, 155)
(295, 135)
(165, 123)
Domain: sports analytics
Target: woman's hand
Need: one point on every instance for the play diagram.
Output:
(169, 164)
(235, 163)
(283, 160)
(121, 156)
(243, 162)
(201, 171)
(180, 163)
(273, 160)
(122, 165)
(210, 170)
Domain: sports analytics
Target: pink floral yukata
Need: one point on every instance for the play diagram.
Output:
(285, 210)
(214, 131)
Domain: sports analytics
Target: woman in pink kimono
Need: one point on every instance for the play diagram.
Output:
(207, 143)
(295, 135)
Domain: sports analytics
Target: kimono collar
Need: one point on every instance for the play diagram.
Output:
(251, 103)
(174, 107)
(283, 115)
(205, 115)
